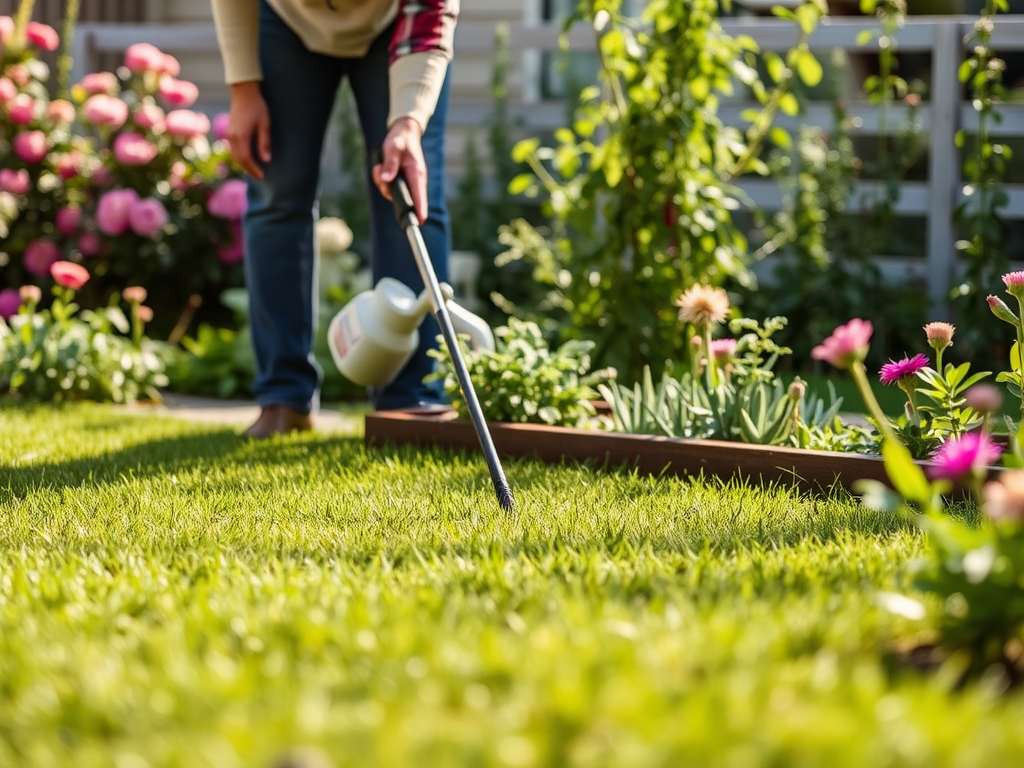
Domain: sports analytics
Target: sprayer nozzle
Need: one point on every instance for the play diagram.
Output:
(505, 500)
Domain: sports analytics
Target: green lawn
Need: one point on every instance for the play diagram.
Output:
(171, 596)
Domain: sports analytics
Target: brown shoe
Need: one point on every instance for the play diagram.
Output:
(279, 420)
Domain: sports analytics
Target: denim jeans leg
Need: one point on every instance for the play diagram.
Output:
(299, 87)
(392, 254)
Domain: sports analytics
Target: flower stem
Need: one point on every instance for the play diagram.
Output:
(860, 377)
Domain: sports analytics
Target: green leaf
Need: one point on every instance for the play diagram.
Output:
(906, 476)
(522, 151)
(520, 184)
(808, 69)
(789, 105)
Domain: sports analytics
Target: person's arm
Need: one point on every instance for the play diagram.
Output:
(237, 23)
(421, 49)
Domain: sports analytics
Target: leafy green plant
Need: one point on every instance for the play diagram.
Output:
(641, 188)
(525, 381)
(59, 353)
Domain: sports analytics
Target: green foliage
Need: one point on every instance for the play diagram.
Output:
(525, 381)
(641, 186)
(59, 354)
(948, 411)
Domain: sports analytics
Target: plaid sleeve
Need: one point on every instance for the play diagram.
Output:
(424, 25)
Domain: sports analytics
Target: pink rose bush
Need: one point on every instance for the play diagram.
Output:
(120, 173)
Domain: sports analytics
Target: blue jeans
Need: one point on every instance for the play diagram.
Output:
(299, 87)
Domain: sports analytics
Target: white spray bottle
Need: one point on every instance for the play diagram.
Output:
(376, 333)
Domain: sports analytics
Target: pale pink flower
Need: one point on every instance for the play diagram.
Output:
(10, 303)
(703, 304)
(134, 294)
(30, 294)
(1004, 498)
(42, 36)
(69, 274)
(984, 398)
(39, 256)
(847, 344)
(134, 149)
(220, 126)
(68, 220)
(178, 173)
(102, 109)
(16, 182)
(939, 335)
(8, 90)
(101, 82)
(21, 109)
(1014, 284)
(178, 93)
(30, 146)
(958, 458)
(143, 57)
(19, 74)
(69, 164)
(896, 371)
(6, 27)
(113, 211)
(171, 66)
(147, 217)
(89, 244)
(150, 117)
(61, 111)
(144, 313)
(228, 201)
(186, 124)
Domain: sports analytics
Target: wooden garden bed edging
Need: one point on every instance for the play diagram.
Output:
(808, 470)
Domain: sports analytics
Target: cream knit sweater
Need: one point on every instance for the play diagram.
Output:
(344, 28)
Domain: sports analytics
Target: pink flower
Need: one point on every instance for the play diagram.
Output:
(847, 344)
(171, 66)
(1014, 284)
(69, 274)
(723, 348)
(39, 255)
(895, 371)
(61, 111)
(16, 182)
(21, 109)
(235, 252)
(134, 294)
(30, 294)
(68, 165)
(30, 146)
(89, 244)
(6, 27)
(42, 36)
(67, 220)
(143, 57)
(113, 211)
(958, 458)
(186, 124)
(8, 90)
(10, 303)
(150, 117)
(147, 217)
(105, 110)
(19, 74)
(144, 313)
(178, 173)
(101, 82)
(101, 176)
(228, 201)
(220, 126)
(1004, 498)
(939, 335)
(133, 149)
(178, 93)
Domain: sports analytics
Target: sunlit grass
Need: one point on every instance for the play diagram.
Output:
(172, 596)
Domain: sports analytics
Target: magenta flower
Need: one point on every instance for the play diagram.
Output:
(147, 217)
(89, 244)
(220, 126)
(39, 256)
(100, 82)
(143, 57)
(42, 36)
(847, 344)
(69, 274)
(150, 117)
(228, 201)
(113, 210)
(235, 252)
(894, 371)
(21, 109)
(102, 109)
(16, 182)
(68, 165)
(186, 124)
(723, 348)
(10, 303)
(178, 93)
(958, 458)
(134, 149)
(30, 146)
(8, 90)
(67, 220)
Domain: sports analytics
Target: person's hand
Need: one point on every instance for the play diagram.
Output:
(249, 118)
(402, 150)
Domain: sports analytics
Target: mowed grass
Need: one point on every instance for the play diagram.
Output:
(172, 596)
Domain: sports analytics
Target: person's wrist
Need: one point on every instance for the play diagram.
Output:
(407, 124)
(246, 88)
